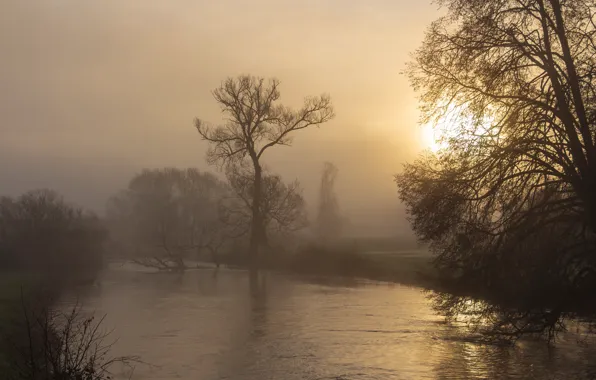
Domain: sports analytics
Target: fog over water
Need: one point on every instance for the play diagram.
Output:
(207, 279)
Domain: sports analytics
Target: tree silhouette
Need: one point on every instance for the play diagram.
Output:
(282, 205)
(516, 79)
(166, 214)
(255, 123)
(329, 221)
(40, 231)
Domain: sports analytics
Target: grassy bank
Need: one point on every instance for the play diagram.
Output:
(405, 267)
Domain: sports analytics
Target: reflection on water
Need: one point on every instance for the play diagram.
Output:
(224, 325)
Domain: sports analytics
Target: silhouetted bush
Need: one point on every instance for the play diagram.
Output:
(48, 344)
(40, 232)
(167, 216)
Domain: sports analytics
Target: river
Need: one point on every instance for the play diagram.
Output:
(211, 325)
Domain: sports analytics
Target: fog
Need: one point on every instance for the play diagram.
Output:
(93, 91)
(302, 262)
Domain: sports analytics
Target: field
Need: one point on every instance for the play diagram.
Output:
(371, 258)
(411, 267)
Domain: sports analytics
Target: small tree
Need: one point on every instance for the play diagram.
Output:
(282, 205)
(329, 221)
(254, 124)
(47, 344)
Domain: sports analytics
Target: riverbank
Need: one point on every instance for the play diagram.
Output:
(25, 297)
(408, 267)
(411, 267)
(14, 287)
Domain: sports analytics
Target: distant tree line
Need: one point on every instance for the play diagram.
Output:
(41, 232)
(166, 217)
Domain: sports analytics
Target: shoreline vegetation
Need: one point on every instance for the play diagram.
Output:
(375, 259)
(48, 245)
(41, 341)
(406, 267)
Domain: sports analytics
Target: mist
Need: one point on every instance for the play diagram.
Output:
(317, 189)
(92, 92)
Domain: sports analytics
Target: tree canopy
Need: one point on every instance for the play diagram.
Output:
(282, 207)
(515, 78)
(165, 215)
(255, 122)
(41, 232)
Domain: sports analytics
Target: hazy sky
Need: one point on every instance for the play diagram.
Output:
(93, 90)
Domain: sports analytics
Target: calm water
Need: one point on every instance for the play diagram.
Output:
(215, 326)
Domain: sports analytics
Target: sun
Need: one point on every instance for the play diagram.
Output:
(432, 137)
(455, 124)
(429, 140)
(436, 132)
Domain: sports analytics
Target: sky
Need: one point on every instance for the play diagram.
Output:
(92, 91)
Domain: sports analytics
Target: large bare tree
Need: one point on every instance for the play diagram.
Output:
(516, 79)
(255, 122)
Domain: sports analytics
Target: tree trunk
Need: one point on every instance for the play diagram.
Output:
(256, 233)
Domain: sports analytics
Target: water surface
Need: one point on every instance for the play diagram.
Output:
(214, 325)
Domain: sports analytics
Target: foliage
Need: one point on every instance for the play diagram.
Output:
(41, 232)
(508, 204)
(166, 214)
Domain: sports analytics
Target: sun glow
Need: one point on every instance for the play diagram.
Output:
(431, 139)
(442, 127)
(455, 124)
(435, 135)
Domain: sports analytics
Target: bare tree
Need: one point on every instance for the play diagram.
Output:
(282, 205)
(255, 123)
(515, 81)
(49, 344)
(329, 221)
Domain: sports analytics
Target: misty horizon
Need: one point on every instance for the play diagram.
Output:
(273, 189)
(92, 94)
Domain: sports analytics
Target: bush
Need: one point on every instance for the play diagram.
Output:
(46, 344)
(40, 232)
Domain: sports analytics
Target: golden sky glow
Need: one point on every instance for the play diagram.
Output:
(90, 91)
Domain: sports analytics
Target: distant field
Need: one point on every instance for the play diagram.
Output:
(401, 253)
(407, 267)
(383, 244)
(397, 260)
